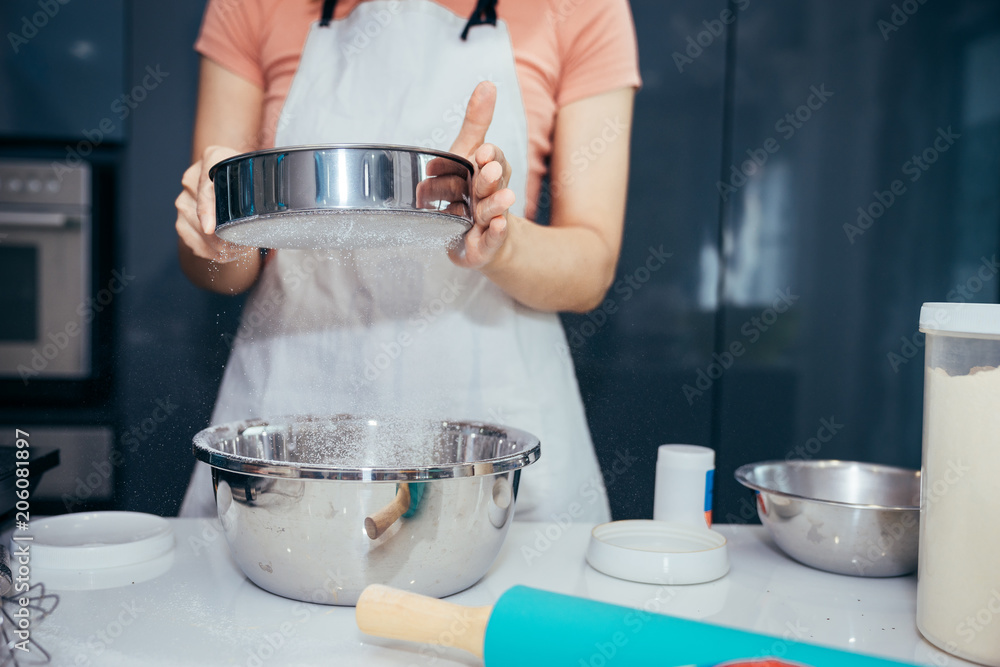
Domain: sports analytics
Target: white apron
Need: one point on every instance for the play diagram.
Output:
(404, 331)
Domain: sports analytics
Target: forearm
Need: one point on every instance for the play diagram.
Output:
(224, 278)
(565, 268)
(227, 123)
(569, 264)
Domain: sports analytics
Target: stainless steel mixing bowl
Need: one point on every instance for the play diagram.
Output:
(316, 509)
(850, 518)
(342, 196)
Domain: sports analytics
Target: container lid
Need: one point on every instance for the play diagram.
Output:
(658, 552)
(62, 579)
(98, 540)
(690, 457)
(968, 318)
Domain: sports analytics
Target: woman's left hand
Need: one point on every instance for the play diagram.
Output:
(491, 198)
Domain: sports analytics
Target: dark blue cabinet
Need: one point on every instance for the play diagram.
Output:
(62, 67)
(819, 173)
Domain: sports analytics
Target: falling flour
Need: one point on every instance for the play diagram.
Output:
(358, 442)
(392, 442)
(958, 599)
(375, 273)
(348, 229)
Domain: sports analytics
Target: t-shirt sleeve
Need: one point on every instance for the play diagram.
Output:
(598, 50)
(230, 36)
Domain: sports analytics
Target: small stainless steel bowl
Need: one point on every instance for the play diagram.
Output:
(342, 196)
(316, 509)
(859, 519)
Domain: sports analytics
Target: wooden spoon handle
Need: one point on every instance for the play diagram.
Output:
(389, 612)
(379, 522)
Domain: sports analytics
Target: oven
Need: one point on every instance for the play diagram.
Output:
(58, 292)
(46, 331)
(62, 150)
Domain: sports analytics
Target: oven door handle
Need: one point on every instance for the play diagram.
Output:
(33, 219)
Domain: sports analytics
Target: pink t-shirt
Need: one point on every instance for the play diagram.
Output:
(564, 51)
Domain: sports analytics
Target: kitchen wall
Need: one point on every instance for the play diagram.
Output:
(756, 310)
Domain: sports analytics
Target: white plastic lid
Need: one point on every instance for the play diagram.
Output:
(689, 457)
(98, 540)
(968, 318)
(658, 552)
(105, 577)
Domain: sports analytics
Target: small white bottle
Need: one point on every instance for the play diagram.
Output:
(684, 482)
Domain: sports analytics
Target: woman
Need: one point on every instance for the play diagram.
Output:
(471, 334)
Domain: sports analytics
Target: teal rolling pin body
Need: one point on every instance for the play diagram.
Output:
(533, 628)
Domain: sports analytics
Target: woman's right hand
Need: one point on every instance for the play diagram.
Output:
(196, 211)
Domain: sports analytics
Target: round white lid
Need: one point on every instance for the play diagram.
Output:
(969, 318)
(693, 457)
(97, 540)
(658, 552)
(106, 577)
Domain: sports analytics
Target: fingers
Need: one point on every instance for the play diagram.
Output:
(207, 246)
(491, 153)
(189, 230)
(206, 188)
(205, 198)
(196, 211)
(480, 245)
(456, 253)
(494, 236)
(190, 179)
(489, 187)
(493, 173)
(495, 205)
(478, 116)
(490, 193)
(488, 180)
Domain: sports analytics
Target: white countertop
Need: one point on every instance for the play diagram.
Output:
(203, 611)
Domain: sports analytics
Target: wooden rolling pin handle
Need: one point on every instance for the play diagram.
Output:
(379, 522)
(389, 612)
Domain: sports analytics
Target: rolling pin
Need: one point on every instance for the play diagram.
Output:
(533, 628)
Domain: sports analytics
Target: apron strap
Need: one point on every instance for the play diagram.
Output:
(328, 7)
(485, 12)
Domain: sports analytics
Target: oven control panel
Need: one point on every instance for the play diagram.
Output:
(36, 183)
